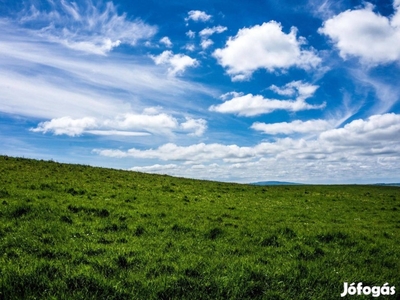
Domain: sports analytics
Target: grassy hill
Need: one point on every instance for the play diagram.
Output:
(78, 232)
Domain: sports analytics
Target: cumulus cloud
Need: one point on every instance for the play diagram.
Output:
(197, 126)
(116, 133)
(191, 34)
(66, 125)
(206, 43)
(177, 63)
(358, 150)
(190, 47)
(230, 95)
(267, 47)
(379, 132)
(198, 152)
(88, 27)
(303, 90)
(253, 105)
(206, 32)
(151, 121)
(166, 41)
(373, 131)
(197, 16)
(297, 126)
(157, 168)
(365, 34)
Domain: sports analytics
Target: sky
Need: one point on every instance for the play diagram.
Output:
(238, 91)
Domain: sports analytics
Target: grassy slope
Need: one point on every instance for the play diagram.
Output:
(77, 232)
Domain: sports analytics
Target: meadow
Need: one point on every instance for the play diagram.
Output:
(79, 232)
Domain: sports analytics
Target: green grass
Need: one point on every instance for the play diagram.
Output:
(78, 232)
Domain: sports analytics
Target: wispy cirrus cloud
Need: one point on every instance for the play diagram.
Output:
(68, 93)
(85, 26)
(386, 89)
(61, 83)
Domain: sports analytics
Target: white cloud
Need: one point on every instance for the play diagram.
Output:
(303, 90)
(395, 21)
(267, 47)
(198, 16)
(61, 82)
(157, 168)
(325, 9)
(206, 43)
(191, 34)
(377, 134)
(376, 130)
(166, 41)
(72, 9)
(362, 150)
(230, 95)
(206, 32)
(198, 152)
(66, 125)
(151, 121)
(177, 62)
(253, 105)
(116, 133)
(154, 110)
(190, 47)
(121, 125)
(387, 91)
(198, 126)
(365, 34)
(74, 94)
(297, 126)
(87, 27)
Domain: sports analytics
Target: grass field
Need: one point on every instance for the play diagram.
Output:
(78, 232)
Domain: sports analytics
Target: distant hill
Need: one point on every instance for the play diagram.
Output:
(388, 184)
(274, 183)
(295, 183)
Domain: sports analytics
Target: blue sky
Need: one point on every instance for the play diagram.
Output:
(240, 91)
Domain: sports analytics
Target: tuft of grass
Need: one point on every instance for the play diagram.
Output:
(139, 230)
(214, 233)
(21, 211)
